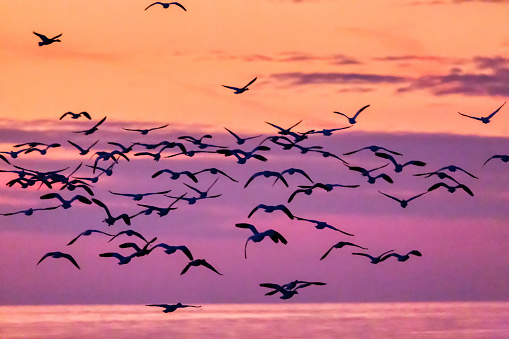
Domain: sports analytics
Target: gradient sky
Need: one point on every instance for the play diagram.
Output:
(416, 63)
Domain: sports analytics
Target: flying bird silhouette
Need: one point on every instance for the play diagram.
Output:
(139, 196)
(353, 120)
(83, 151)
(66, 203)
(402, 257)
(76, 115)
(172, 308)
(166, 5)
(259, 236)
(403, 203)
(30, 211)
(46, 40)
(58, 255)
(144, 131)
(484, 120)
(397, 166)
(270, 209)
(240, 90)
(373, 149)
(87, 233)
(451, 189)
(267, 174)
(320, 225)
(503, 157)
(341, 244)
(241, 141)
(374, 260)
(199, 262)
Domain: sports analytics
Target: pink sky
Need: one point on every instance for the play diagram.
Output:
(416, 64)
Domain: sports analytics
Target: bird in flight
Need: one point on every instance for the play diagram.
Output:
(290, 289)
(57, 255)
(46, 40)
(404, 203)
(87, 233)
(341, 244)
(76, 115)
(259, 236)
(374, 260)
(199, 262)
(270, 209)
(240, 140)
(484, 120)
(402, 257)
(171, 308)
(144, 131)
(242, 89)
(166, 5)
(503, 157)
(352, 119)
(30, 211)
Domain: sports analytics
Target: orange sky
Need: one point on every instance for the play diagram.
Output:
(118, 60)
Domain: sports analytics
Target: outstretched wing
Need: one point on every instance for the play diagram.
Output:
(359, 111)
(250, 82)
(492, 114)
(468, 116)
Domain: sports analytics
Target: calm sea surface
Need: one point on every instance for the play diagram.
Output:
(363, 320)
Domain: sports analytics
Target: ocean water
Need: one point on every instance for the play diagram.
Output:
(338, 320)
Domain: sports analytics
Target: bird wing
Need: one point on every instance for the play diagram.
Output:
(45, 256)
(42, 36)
(326, 253)
(415, 252)
(390, 196)
(492, 114)
(159, 127)
(100, 122)
(70, 258)
(250, 82)
(176, 3)
(231, 87)
(285, 210)
(295, 193)
(209, 266)
(342, 114)
(276, 236)
(468, 116)
(274, 286)
(252, 177)
(359, 111)
(246, 225)
(417, 196)
(63, 115)
(56, 36)
(86, 115)
(155, 3)
(186, 251)
(255, 209)
(415, 163)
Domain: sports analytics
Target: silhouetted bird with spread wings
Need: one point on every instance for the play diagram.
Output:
(484, 120)
(166, 5)
(240, 90)
(259, 236)
(46, 40)
(353, 120)
(172, 308)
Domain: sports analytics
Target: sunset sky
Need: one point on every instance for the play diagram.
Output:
(416, 63)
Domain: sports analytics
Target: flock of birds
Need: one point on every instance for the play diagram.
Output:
(285, 139)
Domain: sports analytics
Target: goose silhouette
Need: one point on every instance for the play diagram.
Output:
(486, 119)
(259, 236)
(240, 90)
(172, 308)
(58, 255)
(166, 5)
(46, 40)
(353, 120)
